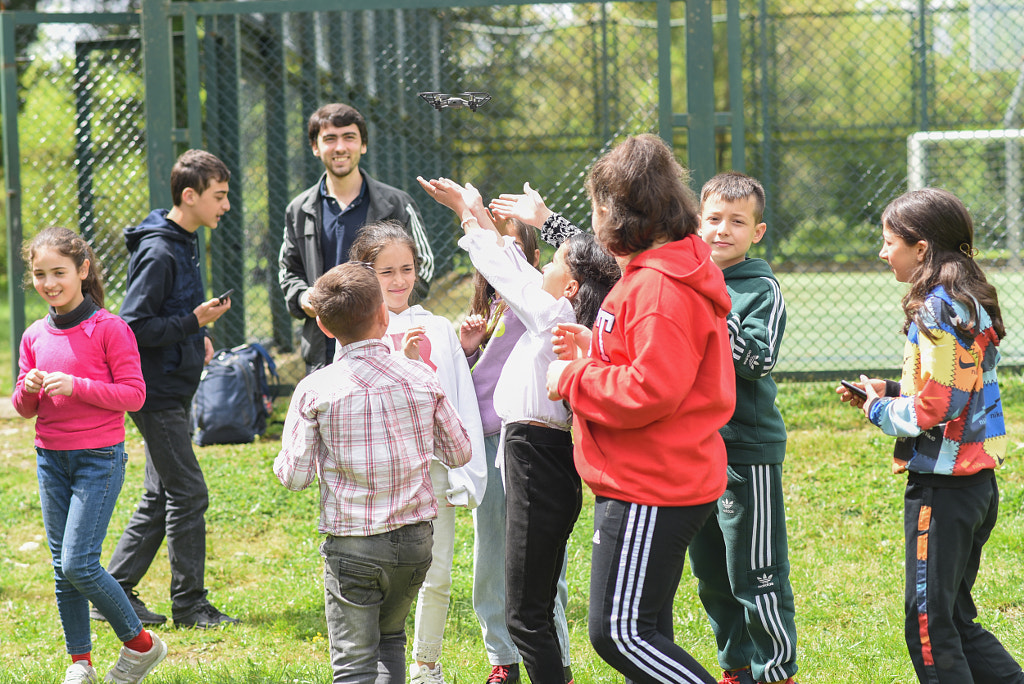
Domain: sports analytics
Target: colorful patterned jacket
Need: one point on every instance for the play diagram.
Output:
(949, 416)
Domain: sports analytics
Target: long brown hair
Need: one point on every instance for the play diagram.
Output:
(483, 293)
(72, 245)
(940, 219)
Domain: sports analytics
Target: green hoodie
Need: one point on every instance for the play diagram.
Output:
(756, 434)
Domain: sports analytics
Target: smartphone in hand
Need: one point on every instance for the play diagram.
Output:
(857, 391)
(224, 297)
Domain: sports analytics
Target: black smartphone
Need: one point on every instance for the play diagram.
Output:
(857, 391)
(224, 296)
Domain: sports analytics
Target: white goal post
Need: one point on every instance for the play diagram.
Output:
(917, 170)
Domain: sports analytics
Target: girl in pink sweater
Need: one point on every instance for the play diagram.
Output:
(79, 373)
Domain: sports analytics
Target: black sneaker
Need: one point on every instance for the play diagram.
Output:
(504, 674)
(205, 616)
(146, 616)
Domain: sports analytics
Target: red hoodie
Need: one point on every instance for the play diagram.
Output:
(658, 384)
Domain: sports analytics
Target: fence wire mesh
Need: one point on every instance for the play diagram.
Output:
(832, 93)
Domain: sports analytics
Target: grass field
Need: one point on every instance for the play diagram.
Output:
(854, 320)
(845, 526)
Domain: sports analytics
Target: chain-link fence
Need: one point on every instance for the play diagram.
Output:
(832, 93)
(835, 92)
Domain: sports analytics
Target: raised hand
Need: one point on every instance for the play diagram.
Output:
(528, 207)
(472, 333)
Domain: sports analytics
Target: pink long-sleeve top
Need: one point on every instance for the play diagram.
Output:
(102, 356)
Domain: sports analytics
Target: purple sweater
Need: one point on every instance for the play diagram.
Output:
(103, 357)
(487, 367)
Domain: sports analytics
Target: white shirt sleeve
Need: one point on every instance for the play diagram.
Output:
(512, 276)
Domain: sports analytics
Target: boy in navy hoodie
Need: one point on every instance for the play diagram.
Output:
(165, 306)
(750, 604)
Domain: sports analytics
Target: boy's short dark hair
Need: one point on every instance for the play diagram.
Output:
(338, 115)
(347, 299)
(196, 169)
(732, 186)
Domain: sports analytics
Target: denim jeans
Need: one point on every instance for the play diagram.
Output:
(369, 586)
(77, 493)
(173, 506)
(489, 571)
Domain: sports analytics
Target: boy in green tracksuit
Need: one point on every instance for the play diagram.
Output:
(750, 605)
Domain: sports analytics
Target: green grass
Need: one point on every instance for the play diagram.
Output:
(845, 527)
(854, 320)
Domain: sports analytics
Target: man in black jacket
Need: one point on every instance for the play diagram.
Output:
(321, 223)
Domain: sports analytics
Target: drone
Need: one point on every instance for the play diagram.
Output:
(472, 100)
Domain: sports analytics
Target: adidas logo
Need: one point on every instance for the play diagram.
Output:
(764, 581)
(597, 537)
(728, 505)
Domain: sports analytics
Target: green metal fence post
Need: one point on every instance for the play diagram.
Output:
(767, 116)
(83, 141)
(159, 75)
(700, 91)
(922, 64)
(227, 242)
(276, 129)
(12, 185)
(665, 68)
(737, 126)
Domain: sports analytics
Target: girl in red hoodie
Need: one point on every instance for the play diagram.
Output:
(648, 400)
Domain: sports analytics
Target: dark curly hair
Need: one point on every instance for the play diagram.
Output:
(595, 270)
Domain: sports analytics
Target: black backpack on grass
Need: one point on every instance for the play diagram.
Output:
(233, 401)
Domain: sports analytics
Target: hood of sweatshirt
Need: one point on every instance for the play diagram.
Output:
(749, 268)
(688, 261)
(156, 223)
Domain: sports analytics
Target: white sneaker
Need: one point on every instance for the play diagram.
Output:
(81, 673)
(132, 666)
(421, 674)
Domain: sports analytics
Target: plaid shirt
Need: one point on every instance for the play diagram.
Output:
(367, 426)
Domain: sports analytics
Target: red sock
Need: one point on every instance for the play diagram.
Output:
(87, 657)
(142, 643)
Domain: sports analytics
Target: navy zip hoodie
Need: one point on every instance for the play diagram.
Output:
(164, 286)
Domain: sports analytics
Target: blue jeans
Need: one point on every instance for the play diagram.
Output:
(489, 571)
(369, 587)
(173, 506)
(77, 493)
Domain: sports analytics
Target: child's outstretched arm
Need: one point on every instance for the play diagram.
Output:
(528, 207)
(465, 201)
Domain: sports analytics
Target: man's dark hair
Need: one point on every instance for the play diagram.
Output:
(338, 115)
(196, 169)
(347, 299)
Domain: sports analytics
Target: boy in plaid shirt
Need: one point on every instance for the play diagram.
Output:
(367, 426)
